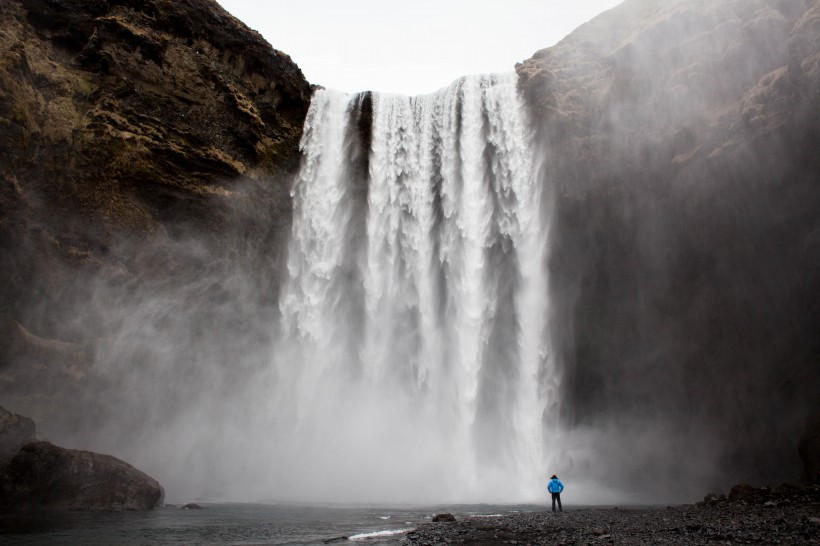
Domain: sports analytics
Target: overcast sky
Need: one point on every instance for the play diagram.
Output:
(411, 46)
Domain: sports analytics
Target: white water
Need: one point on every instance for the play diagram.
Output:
(411, 342)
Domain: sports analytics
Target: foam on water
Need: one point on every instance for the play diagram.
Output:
(379, 534)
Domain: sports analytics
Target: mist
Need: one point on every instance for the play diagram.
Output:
(601, 267)
(681, 240)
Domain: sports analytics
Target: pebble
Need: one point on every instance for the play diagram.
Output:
(724, 522)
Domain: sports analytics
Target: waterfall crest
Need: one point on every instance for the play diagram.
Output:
(413, 317)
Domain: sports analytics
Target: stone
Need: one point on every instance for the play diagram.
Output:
(744, 492)
(191, 506)
(712, 498)
(15, 432)
(447, 518)
(792, 488)
(43, 476)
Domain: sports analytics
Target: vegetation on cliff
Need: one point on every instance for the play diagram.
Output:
(128, 127)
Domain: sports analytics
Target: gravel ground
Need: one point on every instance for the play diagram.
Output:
(791, 520)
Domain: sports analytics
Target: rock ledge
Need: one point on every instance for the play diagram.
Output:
(43, 476)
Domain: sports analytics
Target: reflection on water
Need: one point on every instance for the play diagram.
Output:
(230, 524)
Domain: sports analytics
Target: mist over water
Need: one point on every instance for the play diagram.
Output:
(405, 357)
(457, 296)
(413, 315)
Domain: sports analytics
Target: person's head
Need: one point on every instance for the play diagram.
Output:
(554, 477)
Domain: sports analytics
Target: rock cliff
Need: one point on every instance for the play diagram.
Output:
(46, 477)
(135, 134)
(15, 432)
(36, 475)
(144, 203)
(681, 141)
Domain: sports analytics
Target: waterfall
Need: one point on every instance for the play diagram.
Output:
(412, 353)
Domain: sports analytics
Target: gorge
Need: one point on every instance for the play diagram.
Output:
(605, 264)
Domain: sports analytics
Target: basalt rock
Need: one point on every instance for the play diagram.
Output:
(15, 432)
(128, 128)
(679, 140)
(46, 477)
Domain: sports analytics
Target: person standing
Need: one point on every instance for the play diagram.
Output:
(555, 487)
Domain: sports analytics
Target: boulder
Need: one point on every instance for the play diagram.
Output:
(15, 432)
(713, 498)
(43, 476)
(446, 518)
(745, 493)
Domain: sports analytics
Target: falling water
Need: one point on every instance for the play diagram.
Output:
(414, 314)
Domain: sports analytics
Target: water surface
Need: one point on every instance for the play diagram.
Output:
(234, 523)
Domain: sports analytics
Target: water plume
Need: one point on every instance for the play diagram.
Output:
(414, 338)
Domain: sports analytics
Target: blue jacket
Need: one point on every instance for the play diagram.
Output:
(555, 486)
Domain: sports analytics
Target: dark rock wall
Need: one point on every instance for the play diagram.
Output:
(15, 432)
(681, 141)
(147, 149)
(42, 476)
(144, 204)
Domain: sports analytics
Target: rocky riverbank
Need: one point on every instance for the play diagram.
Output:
(783, 516)
(36, 475)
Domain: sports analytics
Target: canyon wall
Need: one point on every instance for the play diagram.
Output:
(148, 152)
(680, 140)
(145, 144)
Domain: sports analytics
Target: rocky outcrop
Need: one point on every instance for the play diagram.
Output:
(46, 477)
(15, 432)
(36, 475)
(136, 134)
(680, 141)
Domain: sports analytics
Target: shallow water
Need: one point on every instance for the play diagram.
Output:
(234, 524)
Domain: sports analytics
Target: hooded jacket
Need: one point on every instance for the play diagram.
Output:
(555, 486)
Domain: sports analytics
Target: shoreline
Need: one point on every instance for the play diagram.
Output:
(773, 518)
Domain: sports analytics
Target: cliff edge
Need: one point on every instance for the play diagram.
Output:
(679, 140)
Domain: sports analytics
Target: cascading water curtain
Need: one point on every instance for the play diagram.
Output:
(413, 352)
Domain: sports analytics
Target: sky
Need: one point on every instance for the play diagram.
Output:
(410, 47)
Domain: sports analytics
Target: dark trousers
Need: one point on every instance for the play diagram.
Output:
(557, 497)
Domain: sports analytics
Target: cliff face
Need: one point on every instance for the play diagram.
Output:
(681, 141)
(135, 134)
(144, 205)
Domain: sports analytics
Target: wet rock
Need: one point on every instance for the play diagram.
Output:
(447, 518)
(712, 498)
(723, 522)
(15, 432)
(43, 476)
(191, 506)
(123, 121)
(744, 492)
(632, 132)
